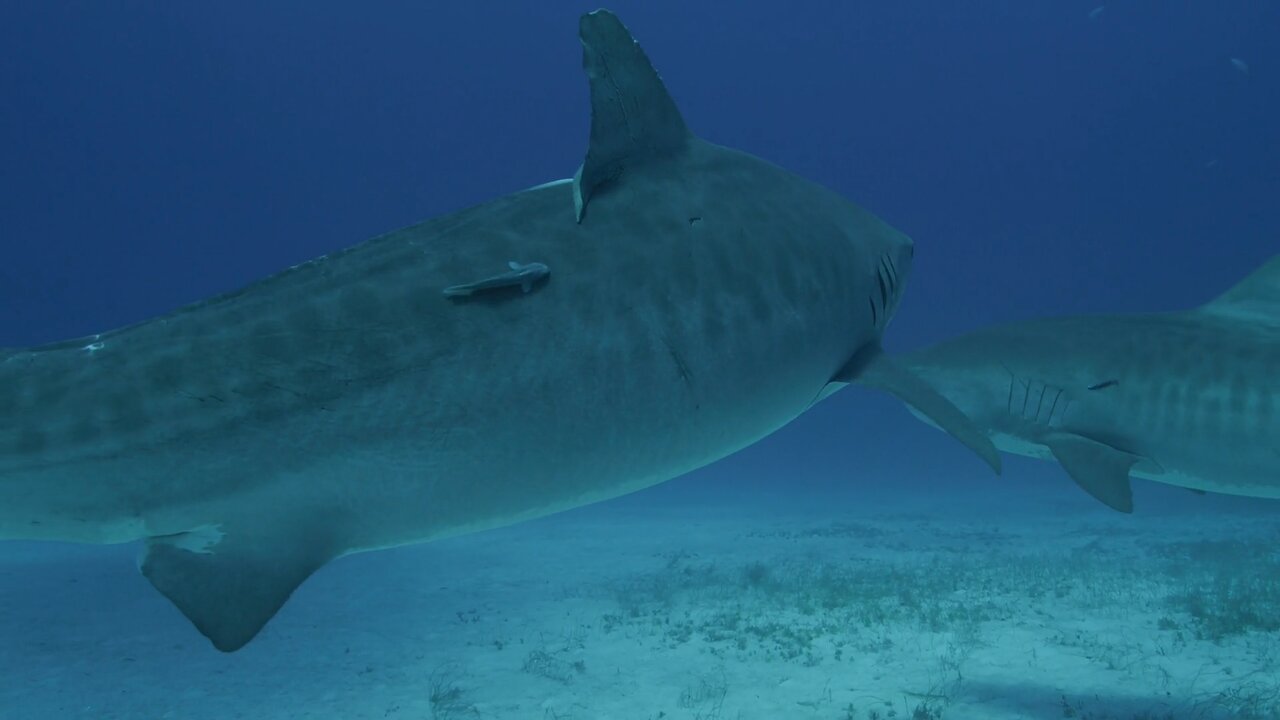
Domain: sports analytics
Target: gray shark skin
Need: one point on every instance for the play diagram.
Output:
(702, 298)
(1187, 398)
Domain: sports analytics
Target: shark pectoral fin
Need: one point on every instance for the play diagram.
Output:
(633, 118)
(1101, 470)
(875, 369)
(232, 584)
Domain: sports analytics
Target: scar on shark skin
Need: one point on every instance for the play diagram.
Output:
(523, 275)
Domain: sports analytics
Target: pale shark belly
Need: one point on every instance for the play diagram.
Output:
(1235, 466)
(1201, 448)
(538, 455)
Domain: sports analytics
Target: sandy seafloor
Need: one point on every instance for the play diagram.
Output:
(747, 607)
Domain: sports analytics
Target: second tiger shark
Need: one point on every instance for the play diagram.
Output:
(1189, 398)
(670, 304)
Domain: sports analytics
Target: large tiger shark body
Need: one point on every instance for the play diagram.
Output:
(672, 303)
(1189, 398)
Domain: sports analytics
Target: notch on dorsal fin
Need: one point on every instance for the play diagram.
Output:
(1256, 298)
(633, 118)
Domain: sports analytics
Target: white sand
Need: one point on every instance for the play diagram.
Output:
(639, 611)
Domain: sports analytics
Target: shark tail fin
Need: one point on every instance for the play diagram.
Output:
(229, 581)
(872, 368)
(633, 118)
(1255, 298)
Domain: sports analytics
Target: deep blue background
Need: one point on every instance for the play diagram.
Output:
(152, 154)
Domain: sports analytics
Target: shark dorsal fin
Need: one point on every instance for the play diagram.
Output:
(1255, 298)
(633, 118)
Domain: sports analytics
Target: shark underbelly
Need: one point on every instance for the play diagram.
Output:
(389, 491)
(488, 435)
(536, 456)
(1221, 441)
(1242, 464)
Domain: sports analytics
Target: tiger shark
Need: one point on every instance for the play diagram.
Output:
(1188, 398)
(671, 303)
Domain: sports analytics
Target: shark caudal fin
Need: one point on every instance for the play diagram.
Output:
(1254, 299)
(872, 368)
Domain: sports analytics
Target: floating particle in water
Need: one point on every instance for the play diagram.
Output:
(1240, 65)
(1096, 13)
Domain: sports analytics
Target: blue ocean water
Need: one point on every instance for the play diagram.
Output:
(1047, 159)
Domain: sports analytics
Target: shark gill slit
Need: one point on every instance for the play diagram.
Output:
(887, 263)
(1012, 380)
(1040, 403)
(1054, 407)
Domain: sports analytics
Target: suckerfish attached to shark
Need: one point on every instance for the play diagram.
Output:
(1187, 398)
(702, 298)
(517, 275)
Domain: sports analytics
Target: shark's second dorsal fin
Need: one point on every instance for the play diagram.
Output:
(633, 118)
(1256, 298)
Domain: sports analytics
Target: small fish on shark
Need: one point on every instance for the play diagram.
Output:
(1189, 398)
(518, 275)
(704, 298)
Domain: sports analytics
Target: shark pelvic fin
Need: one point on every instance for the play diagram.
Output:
(1255, 298)
(1101, 470)
(872, 368)
(633, 118)
(232, 583)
